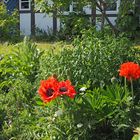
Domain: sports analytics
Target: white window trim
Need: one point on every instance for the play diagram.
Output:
(112, 11)
(97, 10)
(73, 3)
(71, 8)
(25, 9)
(6, 1)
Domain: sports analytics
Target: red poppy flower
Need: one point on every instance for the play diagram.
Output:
(47, 89)
(65, 88)
(130, 70)
(52, 79)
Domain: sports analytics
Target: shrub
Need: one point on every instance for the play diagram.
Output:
(42, 35)
(128, 18)
(99, 112)
(23, 62)
(104, 113)
(8, 25)
(72, 25)
(96, 56)
(18, 72)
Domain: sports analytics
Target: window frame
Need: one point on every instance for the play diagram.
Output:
(24, 9)
(110, 11)
(74, 6)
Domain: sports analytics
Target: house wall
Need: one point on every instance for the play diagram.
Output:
(25, 23)
(47, 23)
(44, 22)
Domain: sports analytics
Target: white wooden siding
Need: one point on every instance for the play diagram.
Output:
(44, 22)
(25, 23)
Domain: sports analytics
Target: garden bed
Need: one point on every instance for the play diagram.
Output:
(79, 93)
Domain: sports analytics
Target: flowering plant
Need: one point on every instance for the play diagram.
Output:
(51, 88)
(130, 70)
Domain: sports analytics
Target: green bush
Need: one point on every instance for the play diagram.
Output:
(72, 25)
(103, 111)
(98, 113)
(18, 72)
(128, 18)
(96, 56)
(8, 25)
(23, 62)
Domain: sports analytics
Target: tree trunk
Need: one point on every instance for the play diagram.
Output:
(115, 30)
(102, 16)
(93, 14)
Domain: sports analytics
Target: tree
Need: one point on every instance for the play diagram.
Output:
(128, 17)
(57, 5)
(8, 25)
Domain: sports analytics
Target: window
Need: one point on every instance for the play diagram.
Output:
(75, 6)
(111, 6)
(25, 5)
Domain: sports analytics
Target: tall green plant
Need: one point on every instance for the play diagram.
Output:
(23, 62)
(18, 72)
(96, 56)
(104, 113)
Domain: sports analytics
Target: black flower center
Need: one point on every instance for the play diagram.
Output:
(63, 89)
(49, 92)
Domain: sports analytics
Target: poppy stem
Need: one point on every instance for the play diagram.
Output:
(125, 85)
(132, 90)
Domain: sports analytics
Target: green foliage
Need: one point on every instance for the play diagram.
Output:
(104, 113)
(18, 72)
(96, 56)
(72, 25)
(42, 35)
(47, 7)
(128, 18)
(136, 137)
(23, 62)
(8, 25)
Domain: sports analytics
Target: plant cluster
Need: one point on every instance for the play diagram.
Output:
(18, 72)
(96, 56)
(34, 105)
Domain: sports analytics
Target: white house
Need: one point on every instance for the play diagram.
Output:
(29, 20)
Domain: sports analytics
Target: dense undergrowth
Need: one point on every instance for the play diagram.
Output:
(103, 111)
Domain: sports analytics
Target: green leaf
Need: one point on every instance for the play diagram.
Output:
(136, 137)
(40, 103)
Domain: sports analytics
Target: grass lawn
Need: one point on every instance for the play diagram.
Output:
(5, 48)
(56, 45)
